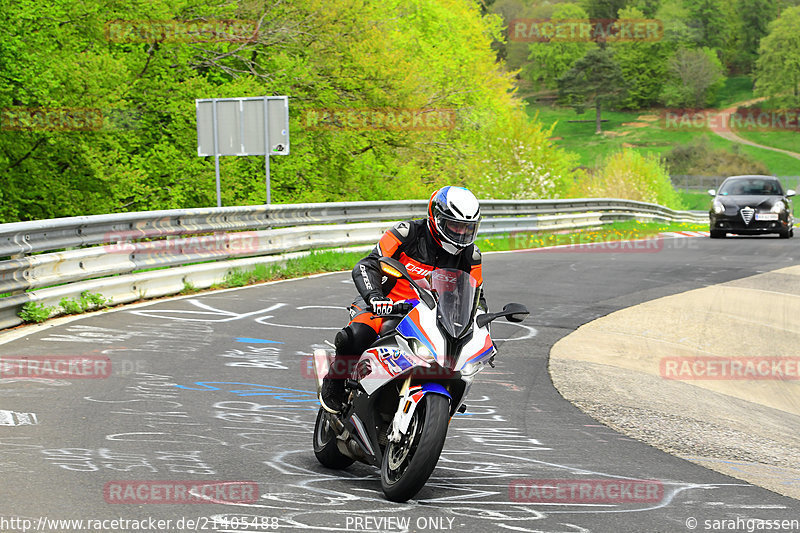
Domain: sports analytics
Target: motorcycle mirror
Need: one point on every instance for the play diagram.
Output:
(512, 312)
(515, 312)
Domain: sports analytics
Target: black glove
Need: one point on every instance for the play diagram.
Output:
(381, 306)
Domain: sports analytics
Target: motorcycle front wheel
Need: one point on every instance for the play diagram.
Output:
(325, 448)
(408, 464)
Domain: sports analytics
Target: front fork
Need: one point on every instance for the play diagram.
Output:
(409, 399)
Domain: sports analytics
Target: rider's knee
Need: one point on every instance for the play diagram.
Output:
(354, 339)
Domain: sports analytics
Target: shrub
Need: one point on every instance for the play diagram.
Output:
(698, 157)
(632, 176)
(35, 312)
(87, 301)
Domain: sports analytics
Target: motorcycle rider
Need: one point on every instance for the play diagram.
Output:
(444, 240)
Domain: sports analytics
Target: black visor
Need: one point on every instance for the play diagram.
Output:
(459, 232)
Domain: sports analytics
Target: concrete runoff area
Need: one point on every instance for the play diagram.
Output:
(636, 371)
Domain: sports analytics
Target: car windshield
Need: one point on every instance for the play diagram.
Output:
(750, 186)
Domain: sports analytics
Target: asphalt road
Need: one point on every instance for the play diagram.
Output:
(214, 388)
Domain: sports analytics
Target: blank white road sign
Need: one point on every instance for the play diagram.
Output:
(240, 126)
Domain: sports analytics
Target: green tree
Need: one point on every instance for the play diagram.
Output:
(679, 29)
(595, 79)
(648, 7)
(643, 65)
(352, 54)
(717, 23)
(552, 59)
(695, 76)
(778, 65)
(603, 9)
(755, 16)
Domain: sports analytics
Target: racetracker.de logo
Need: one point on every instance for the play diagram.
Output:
(55, 367)
(385, 119)
(385, 363)
(750, 119)
(584, 491)
(585, 30)
(51, 119)
(589, 244)
(180, 492)
(239, 243)
(730, 368)
(181, 31)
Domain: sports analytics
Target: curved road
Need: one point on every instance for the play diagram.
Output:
(722, 127)
(214, 388)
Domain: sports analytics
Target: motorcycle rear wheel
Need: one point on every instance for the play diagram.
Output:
(408, 464)
(325, 448)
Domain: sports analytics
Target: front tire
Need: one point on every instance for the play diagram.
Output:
(785, 234)
(716, 234)
(325, 448)
(408, 464)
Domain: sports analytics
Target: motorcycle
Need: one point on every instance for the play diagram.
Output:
(403, 390)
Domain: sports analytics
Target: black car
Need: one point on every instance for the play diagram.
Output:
(751, 205)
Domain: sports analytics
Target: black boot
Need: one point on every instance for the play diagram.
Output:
(349, 342)
(331, 396)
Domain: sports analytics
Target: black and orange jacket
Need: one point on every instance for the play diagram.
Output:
(412, 244)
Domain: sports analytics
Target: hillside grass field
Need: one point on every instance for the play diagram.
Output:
(647, 132)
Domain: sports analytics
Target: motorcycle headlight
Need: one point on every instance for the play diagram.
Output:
(718, 207)
(422, 351)
(778, 208)
(471, 368)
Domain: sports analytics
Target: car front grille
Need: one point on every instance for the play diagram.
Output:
(747, 214)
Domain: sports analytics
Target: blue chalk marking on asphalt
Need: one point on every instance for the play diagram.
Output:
(255, 389)
(256, 341)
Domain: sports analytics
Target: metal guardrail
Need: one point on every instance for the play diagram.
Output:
(45, 261)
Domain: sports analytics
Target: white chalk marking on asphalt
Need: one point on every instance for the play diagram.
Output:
(12, 418)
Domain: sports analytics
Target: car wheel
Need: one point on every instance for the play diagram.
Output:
(716, 234)
(785, 234)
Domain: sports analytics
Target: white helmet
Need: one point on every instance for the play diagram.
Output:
(453, 218)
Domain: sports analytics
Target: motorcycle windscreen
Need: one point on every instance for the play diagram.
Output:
(456, 291)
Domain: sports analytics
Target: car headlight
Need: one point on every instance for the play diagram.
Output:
(718, 208)
(778, 208)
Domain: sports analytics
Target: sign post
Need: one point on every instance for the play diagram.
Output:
(243, 126)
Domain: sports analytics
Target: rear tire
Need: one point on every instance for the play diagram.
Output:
(325, 448)
(407, 465)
